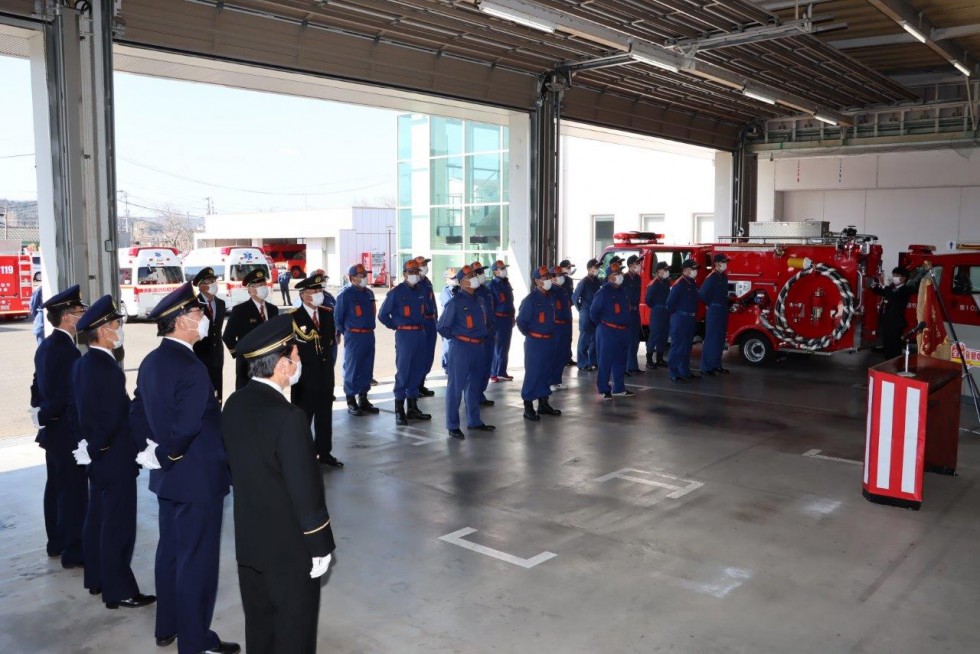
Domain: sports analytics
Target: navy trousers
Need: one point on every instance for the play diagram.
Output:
(466, 365)
(681, 341)
(187, 572)
(587, 355)
(612, 364)
(488, 345)
(562, 337)
(539, 355)
(65, 504)
(659, 329)
(358, 363)
(715, 328)
(431, 336)
(282, 608)
(110, 536)
(633, 345)
(411, 349)
(501, 345)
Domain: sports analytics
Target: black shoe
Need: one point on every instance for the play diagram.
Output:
(136, 601)
(425, 392)
(166, 640)
(224, 648)
(486, 402)
(634, 370)
(710, 373)
(678, 380)
(693, 376)
(624, 394)
(414, 413)
(545, 408)
(457, 433)
(365, 406)
(72, 566)
(529, 412)
(627, 373)
(606, 396)
(570, 362)
(651, 365)
(723, 371)
(352, 407)
(481, 427)
(374, 382)
(400, 418)
(332, 461)
(592, 368)
(94, 591)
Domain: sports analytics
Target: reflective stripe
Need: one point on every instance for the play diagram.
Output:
(467, 339)
(537, 335)
(613, 325)
(409, 327)
(307, 533)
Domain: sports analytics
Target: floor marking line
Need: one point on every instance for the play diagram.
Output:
(456, 538)
(816, 454)
(678, 491)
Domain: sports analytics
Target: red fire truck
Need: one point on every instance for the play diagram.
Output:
(15, 280)
(800, 295)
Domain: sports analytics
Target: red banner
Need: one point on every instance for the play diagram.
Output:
(934, 335)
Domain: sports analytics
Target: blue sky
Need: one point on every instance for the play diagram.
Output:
(180, 142)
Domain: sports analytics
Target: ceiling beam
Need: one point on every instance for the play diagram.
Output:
(779, 5)
(905, 14)
(903, 37)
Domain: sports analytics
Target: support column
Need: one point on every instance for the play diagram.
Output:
(545, 141)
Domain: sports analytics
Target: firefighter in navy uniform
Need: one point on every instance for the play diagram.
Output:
(464, 324)
(656, 300)
(563, 326)
(610, 312)
(682, 305)
(315, 335)
(403, 311)
(502, 294)
(175, 420)
(355, 320)
(586, 289)
(484, 294)
(896, 296)
(247, 316)
(65, 496)
(632, 285)
(536, 321)
(714, 295)
(431, 316)
(107, 447)
(283, 538)
(211, 350)
(450, 289)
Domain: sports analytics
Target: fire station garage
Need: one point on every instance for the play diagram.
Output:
(804, 479)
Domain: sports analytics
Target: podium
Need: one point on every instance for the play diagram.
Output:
(912, 427)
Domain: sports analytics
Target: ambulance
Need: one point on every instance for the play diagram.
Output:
(146, 276)
(231, 264)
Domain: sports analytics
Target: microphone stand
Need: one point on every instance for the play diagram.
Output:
(906, 373)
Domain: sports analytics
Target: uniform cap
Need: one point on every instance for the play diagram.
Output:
(689, 263)
(477, 266)
(541, 272)
(557, 271)
(450, 273)
(720, 258)
(633, 258)
(268, 337)
(616, 259)
(613, 268)
(313, 282)
(463, 272)
(663, 265)
(565, 263)
(205, 273)
(593, 263)
(102, 311)
(422, 260)
(900, 270)
(257, 276)
(409, 265)
(499, 265)
(177, 301)
(357, 269)
(70, 297)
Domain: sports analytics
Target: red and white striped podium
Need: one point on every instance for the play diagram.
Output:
(912, 427)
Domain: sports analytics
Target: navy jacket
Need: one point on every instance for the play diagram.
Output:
(210, 350)
(657, 292)
(52, 392)
(244, 317)
(714, 289)
(175, 405)
(503, 297)
(611, 305)
(463, 315)
(404, 306)
(683, 297)
(536, 315)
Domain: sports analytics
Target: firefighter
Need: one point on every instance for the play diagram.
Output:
(631, 284)
(464, 324)
(354, 316)
(431, 315)
(563, 326)
(448, 291)
(714, 295)
(682, 305)
(656, 300)
(610, 312)
(404, 311)
(503, 321)
(536, 321)
(582, 297)
(896, 298)
(484, 294)
(567, 270)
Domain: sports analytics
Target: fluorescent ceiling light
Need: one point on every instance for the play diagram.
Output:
(960, 67)
(516, 17)
(824, 119)
(654, 62)
(755, 96)
(919, 36)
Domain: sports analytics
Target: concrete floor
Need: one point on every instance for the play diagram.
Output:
(746, 546)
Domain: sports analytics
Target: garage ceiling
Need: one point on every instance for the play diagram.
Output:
(451, 48)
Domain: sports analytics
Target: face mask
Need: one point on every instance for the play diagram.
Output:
(317, 299)
(691, 273)
(897, 281)
(362, 281)
(474, 282)
(570, 271)
(452, 282)
(262, 292)
(617, 279)
(560, 280)
(295, 376)
(502, 273)
(424, 270)
(205, 288)
(483, 278)
(663, 274)
(202, 327)
(593, 271)
(546, 284)
(722, 267)
(635, 269)
(412, 280)
(118, 343)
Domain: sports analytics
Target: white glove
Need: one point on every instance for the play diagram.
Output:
(34, 410)
(320, 565)
(148, 458)
(81, 454)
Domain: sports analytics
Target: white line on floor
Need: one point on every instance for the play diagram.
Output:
(816, 454)
(456, 538)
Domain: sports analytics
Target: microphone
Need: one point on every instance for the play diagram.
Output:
(915, 330)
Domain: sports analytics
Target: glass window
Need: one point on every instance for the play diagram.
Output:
(413, 184)
(447, 228)
(446, 136)
(440, 262)
(504, 227)
(190, 272)
(482, 138)
(483, 178)
(602, 231)
(126, 276)
(160, 275)
(240, 270)
(447, 181)
(483, 228)
(404, 229)
(653, 222)
(412, 134)
(505, 176)
(966, 280)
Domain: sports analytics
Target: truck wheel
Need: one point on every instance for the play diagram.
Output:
(756, 348)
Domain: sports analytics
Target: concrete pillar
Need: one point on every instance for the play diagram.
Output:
(766, 196)
(519, 211)
(724, 192)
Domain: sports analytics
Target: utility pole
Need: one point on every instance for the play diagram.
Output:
(210, 205)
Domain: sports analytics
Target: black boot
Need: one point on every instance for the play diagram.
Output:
(400, 418)
(545, 408)
(650, 364)
(352, 407)
(425, 392)
(413, 411)
(660, 360)
(364, 405)
(529, 412)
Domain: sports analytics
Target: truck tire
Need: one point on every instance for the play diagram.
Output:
(756, 348)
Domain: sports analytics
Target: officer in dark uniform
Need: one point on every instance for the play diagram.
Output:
(450, 289)
(404, 311)
(210, 350)
(714, 294)
(484, 294)
(563, 327)
(356, 321)
(536, 320)
(315, 335)
(65, 496)
(567, 270)
(110, 452)
(682, 305)
(247, 316)
(464, 324)
(656, 300)
(582, 296)
(431, 316)
(502, 295)
(610, 312)
(631, 283)
(283, 538)
(176, 421)
(892, 320)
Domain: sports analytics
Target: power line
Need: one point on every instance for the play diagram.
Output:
(14, 156)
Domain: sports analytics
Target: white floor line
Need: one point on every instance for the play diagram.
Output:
(815, 454)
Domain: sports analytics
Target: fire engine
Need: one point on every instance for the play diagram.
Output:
(146, 276)
(15, 280)
(807, 294)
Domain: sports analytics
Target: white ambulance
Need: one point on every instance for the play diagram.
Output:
(146, 276)
(230, 264)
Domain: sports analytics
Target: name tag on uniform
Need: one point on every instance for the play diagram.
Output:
(252, 320)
